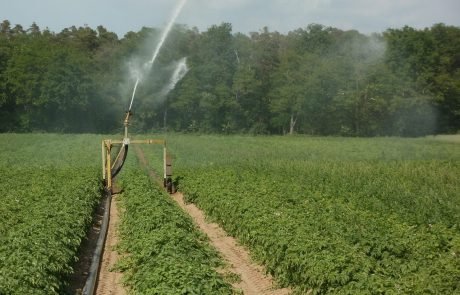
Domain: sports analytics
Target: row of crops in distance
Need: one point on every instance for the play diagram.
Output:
(163, 252)
(333, 215)
(50, 185)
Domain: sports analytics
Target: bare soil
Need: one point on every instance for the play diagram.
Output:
(253, 278)
(253, 281)
(109, 281)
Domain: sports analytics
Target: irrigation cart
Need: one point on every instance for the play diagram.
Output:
(114, 154)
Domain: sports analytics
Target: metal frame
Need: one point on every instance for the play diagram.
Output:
(107, 166)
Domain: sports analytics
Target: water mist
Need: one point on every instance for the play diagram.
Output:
(179, 72)
(164, 35)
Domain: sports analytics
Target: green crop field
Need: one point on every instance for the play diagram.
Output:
(335, 215)
(49, 186)
(166, 254)
(331, 215)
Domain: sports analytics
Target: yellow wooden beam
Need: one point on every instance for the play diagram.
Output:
(106, 149)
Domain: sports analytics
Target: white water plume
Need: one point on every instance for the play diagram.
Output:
(167, 29)
(178, 74)
(139, 72)
(134, 93)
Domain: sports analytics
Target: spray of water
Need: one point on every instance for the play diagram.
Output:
(179, 72)
(134, 93)
(167, 29)
(164, 35)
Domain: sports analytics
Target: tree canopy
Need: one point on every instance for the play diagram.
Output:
(315, 80)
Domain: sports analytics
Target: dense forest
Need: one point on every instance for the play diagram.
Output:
(316, 80)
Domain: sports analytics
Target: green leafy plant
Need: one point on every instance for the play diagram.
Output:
(163, 252)
(50, 186)
(333, 215)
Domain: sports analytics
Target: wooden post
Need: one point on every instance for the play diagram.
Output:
(103, 159)
(109, 166)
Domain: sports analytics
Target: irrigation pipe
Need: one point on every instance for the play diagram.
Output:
(90, 285)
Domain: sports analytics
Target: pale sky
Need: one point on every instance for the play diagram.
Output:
(121, 16)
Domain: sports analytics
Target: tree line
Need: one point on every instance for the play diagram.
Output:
(315, 80)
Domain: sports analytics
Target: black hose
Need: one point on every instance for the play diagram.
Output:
(118, 167)
(90, 285)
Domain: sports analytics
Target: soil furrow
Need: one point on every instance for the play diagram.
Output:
(254, 281)
(109, 282)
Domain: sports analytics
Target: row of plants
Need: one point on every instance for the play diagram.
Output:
(163, 251)
(325, 242)
(50, 185)
(334, 215)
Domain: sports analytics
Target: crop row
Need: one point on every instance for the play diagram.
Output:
(383, 220)
(47, 204)
(314, 240)
(163, 252)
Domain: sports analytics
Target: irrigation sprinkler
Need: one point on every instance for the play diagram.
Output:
(114, 154)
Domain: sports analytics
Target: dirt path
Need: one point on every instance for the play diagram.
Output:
(253, 280)
(109, 281)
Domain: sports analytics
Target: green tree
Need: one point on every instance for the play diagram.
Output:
(315, 80)
(265, 60)
(246, 89)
